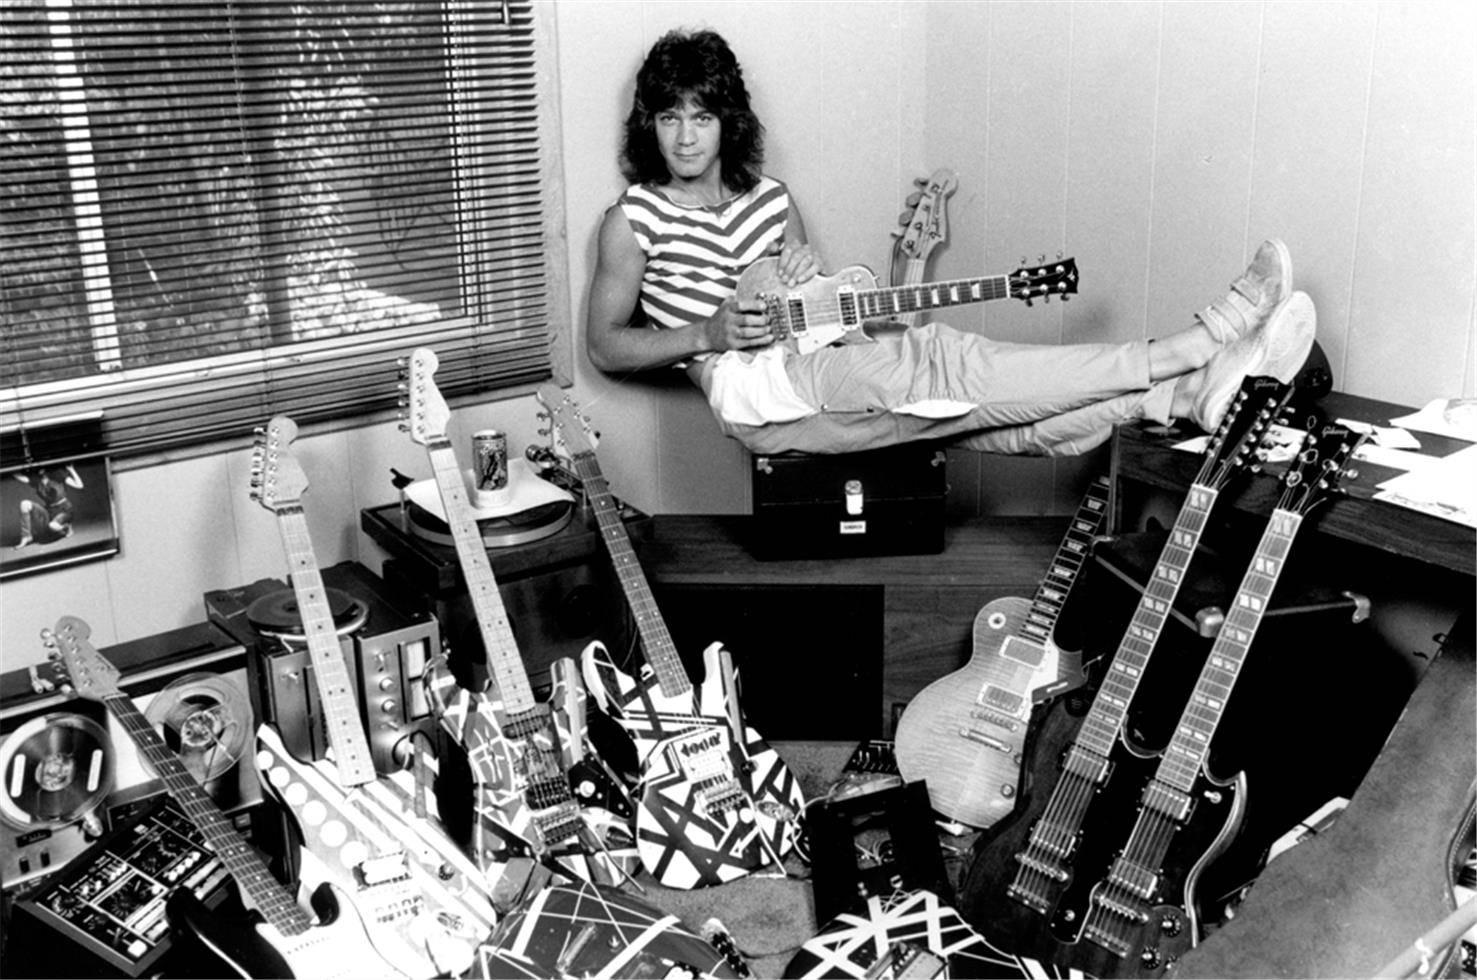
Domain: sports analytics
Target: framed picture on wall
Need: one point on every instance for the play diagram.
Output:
(56, 497)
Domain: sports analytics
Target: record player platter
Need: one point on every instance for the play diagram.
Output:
(497, 532)
(277, 614)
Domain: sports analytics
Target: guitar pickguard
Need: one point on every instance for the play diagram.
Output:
(710, 811)
(425, 904)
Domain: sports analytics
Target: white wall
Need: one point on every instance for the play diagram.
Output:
(1157, 143)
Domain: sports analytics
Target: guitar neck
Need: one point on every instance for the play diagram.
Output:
(914, 271)
(503, 660)
(890, 301)
(330, 673)
(1051, 596)
(661, 652)
(1101, 725)
(1185, 756)
(265, 894)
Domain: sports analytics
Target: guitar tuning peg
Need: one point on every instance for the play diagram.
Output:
(1027, 298)
(1059, 256)
(1023, 260)
(1041, 260)
(1066, 296)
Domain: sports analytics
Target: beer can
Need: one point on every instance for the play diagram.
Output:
(490, 459)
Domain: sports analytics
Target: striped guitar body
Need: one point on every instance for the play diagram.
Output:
(709, 811)
(908, 934)
(521, 778)
(964, 734)
(427, 904)
(595, 932)
(716, 802)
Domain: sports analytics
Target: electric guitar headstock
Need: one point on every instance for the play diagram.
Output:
(1319, 467)
(88, 675)
(927, 225)
(1044, 280)
(569, 431)
(277, 478)
(424, 413)
(1236, 443)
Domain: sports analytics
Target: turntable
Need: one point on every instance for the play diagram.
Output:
(535, 509)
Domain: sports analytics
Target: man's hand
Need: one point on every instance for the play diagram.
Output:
(797, 263)
(737, 326)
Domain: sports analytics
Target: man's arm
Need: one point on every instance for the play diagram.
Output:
(614, 345)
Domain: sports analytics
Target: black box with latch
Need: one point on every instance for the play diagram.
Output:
(878, 502)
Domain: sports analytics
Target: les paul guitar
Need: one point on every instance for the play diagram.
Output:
(827, 309)
(965, 732)
(430, 905)
(1027, 882)
(524, 754)
(288, 941)
(923, 229)
(716, 801)
(1143, 915)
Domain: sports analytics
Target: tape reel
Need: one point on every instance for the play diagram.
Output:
(206, 720)
(57, 767)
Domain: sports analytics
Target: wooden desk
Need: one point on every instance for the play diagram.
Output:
(1142, 453)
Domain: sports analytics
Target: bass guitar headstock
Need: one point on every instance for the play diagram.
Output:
(926, 226)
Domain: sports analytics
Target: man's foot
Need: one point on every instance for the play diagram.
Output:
(1278, 349)
(1265, 285)
(23, 542)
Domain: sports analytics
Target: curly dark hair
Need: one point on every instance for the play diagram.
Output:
(697, 65)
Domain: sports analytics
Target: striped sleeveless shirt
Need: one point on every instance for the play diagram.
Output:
(694, 256)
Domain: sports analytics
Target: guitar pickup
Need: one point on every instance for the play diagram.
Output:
(386, 868)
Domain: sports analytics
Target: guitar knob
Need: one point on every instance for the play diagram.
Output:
(1170, 925)
(389, 706)
(1149, 959)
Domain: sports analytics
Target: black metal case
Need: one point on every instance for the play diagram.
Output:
(878, 502)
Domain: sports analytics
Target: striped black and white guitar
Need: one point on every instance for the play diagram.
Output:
(716, 801)
(521, 759)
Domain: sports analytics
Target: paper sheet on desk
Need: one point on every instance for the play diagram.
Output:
(527, 490)
(1446, 488)
(1455, 417)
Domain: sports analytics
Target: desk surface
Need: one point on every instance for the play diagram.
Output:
(1142, 453)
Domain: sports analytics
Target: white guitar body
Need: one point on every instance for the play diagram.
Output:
(708, 813)
(426, 904)
(333, 950)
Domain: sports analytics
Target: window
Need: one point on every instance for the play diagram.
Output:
(217, 212)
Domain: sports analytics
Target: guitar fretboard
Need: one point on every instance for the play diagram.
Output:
(331, 674)
(266, 895)
(1121, 681)
(661, 652)
(1191, 740)
(1056, 585)
(888, 301)
(503, 659)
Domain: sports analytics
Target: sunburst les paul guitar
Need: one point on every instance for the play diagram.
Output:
(1027, 883)
(827, 309)
(524, 753)
(288, 941)
(1144, 913)
(366, 833)
(716, 801)
(965, 733)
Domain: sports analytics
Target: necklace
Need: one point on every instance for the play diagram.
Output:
(692, 200)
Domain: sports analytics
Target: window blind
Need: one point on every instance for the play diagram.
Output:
(215, 212)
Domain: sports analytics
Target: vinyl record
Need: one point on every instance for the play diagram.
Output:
(206, 720)
(277, 613)
(57, 768)
(497, 532)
